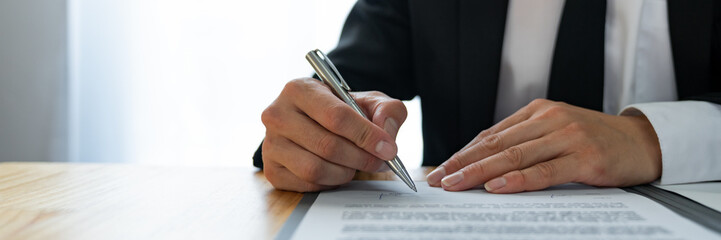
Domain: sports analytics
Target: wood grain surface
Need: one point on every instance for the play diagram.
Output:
(114, 201)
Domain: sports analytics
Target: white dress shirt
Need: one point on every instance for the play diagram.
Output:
(638, 79)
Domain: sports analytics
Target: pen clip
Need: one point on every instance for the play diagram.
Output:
(335, 70)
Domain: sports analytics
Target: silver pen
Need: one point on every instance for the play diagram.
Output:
(331, 77)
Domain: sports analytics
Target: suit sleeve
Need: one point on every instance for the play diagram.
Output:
(374, 51)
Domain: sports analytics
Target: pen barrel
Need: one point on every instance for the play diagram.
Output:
(332, 80)
(397, 167)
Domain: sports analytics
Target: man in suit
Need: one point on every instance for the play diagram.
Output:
(627, 92)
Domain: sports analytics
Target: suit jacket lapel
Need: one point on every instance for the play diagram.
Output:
(691, 29)
(482, 24)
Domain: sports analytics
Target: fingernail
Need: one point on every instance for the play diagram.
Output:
(495, 184)
(391, 127)
(435, 176)
(452, 179)
(385, 150)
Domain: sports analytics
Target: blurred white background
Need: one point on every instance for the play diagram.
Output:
(184, 82)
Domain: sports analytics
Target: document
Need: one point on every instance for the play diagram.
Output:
(389, 210)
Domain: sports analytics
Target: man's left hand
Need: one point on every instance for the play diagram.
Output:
(548, 143)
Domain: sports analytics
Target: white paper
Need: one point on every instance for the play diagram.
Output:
(389, 210)
(706, 193)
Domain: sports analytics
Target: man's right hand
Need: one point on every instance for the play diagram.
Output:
(314, 141)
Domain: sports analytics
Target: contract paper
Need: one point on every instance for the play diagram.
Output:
(389, 210)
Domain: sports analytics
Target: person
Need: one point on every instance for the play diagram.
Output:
(626, 93)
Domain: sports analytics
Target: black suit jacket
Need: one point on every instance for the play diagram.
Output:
(448, 53)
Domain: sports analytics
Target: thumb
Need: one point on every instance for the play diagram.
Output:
(384, 111)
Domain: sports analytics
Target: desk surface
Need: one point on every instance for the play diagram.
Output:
(112, 201)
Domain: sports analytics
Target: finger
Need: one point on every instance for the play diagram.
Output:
(282, 179)
(306, 133)
(523, 114)
(317, 101)
(491, 145)
(519, 116)
(384, 111)
(540, 176)
(309, 167)
(514, 158)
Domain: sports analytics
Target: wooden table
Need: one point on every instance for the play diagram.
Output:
(113, 201)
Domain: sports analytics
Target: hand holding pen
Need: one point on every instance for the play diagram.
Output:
(331, 77)
(315, 141)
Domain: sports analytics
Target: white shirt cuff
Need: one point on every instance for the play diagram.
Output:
(689, 133)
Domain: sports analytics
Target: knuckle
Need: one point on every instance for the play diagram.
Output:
(555, 112)
(539, 102)
(514, 155)
(295, 86)
(272, 176)
(593, 165)
(477, 168)
(546, 171)
(523, 178)
(485, 133)
(348, 175)
(522, 114)
(271, 117)
(453, 163)
(328, 146)
(398, 107)
(493, 143)
(335, 116)
(312, 172)
(579, 130)
(364, 137)
(575, 126)
(596, 169)
(268, 148)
